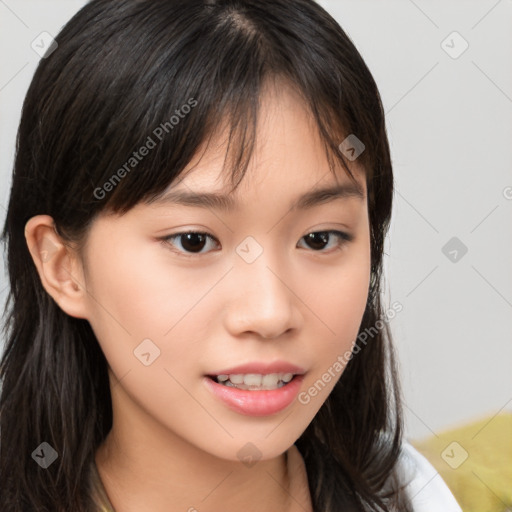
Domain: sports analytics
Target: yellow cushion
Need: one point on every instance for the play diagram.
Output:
(475, 461)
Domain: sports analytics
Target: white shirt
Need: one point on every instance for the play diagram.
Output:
(427, 490)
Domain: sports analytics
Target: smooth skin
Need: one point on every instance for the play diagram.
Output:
(173, 444)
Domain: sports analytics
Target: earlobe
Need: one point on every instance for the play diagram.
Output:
(58, 266)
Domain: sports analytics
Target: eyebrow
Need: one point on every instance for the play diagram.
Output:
(227, 203)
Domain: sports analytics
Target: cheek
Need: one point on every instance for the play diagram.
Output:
(341, 308)
(125, 299)
(140, 295)
(337, 299)
(134, 287)
(338, 294)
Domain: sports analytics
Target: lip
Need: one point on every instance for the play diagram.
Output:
(261, 368)
(256, 402)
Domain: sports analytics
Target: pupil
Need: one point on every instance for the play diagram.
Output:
(318, 235)
(192, 246)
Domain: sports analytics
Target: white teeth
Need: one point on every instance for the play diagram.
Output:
(270, 381)
(236, 379)
(251, 379)
(255, 381)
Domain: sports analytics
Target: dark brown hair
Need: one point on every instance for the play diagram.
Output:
(122, 69)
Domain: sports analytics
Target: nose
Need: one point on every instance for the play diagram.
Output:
(262, 300)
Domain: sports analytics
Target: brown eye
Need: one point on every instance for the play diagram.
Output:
(192, 242)
(317, 240)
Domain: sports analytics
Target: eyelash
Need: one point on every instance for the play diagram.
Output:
(344, 239)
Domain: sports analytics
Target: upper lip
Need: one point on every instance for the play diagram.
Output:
(262, 369)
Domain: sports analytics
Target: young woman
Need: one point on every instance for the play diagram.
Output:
(195, 232)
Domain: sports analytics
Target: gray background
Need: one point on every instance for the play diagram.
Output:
(449, 120)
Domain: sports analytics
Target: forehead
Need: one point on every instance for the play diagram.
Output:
(289, 157)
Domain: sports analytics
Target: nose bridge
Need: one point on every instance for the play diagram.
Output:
(264, 302)
(262, 275)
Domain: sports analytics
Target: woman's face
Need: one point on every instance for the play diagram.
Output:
(260, 289)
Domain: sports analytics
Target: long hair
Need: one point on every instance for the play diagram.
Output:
(173, 71)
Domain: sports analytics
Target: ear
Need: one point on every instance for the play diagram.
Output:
(59, 267)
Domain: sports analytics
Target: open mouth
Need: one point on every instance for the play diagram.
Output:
(253, 381)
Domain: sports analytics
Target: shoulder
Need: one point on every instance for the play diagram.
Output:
(423, 484)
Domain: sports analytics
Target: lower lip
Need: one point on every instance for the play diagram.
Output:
(256, 403)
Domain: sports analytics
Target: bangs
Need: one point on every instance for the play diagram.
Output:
(138, 88)
(238, 119)
(169, 75)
